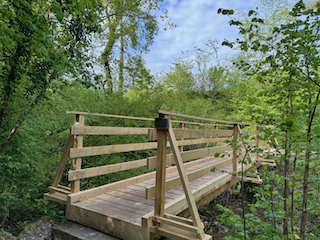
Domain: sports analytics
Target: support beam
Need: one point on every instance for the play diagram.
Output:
(185, 182)
(63, 161)
(161, 168)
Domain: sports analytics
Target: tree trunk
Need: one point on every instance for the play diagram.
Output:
(292, 196)
(22, 116)
(306, 170)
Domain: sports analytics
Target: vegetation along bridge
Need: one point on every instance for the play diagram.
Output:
(156, 203)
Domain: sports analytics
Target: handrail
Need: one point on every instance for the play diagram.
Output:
(199, 118)
(141, 118)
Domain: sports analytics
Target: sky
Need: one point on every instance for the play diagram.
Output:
(197, 21)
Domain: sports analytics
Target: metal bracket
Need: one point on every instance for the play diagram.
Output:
(161, 123)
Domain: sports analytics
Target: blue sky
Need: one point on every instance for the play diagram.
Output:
(197, 21)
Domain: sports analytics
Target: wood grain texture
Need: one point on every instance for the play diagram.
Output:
(175, 182)
(160, 173)
(95, 130)
(63, 161)
(198, 118)
(189, 155)
(192, 133)
(185, 182)
(100, 150)
(77, 161)
(102, 170)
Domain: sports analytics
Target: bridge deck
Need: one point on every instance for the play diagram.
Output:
(120, 212)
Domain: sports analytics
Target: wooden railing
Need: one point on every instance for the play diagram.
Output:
(163, 138)
(78, 130)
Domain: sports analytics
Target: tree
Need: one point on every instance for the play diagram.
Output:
(44, 42)
(290, 66)
(134, 23)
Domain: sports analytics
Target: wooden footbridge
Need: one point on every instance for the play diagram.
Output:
(157, 203)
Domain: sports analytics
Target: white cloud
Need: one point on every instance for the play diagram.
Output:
(197, 21)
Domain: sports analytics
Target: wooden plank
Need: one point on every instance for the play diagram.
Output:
(215, 143)
(64, 187)
(181, 125)
(267, 160)
(198, 118)
(94, 130)
(59, 190)
(99, 206)
(251, 180)
(175, 182)
(160, 172)
(109, 115)
(111, 225)
(176, 234)
(93, 151)
(250, 133)
(179, 219)
(100, 150)
(132, 197)
(63, 161)
(206, 198)
(185, 181)
(201, 124)
(77, 161)
(133, 204)
(83, 195)
(178, 205)
(56, 197)
(137, 118)
(189, 155)
(120, 207)
(192, 133)
(97, 171)
(179, 225)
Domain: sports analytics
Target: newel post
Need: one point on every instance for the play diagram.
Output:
(181, 125)
(234, 151)
(161, 124)
(76, 162)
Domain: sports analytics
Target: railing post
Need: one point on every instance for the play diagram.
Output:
(234, 152)
(76, 162)
(181, 125)
(257, 145)
(216, 128)
(161, 125)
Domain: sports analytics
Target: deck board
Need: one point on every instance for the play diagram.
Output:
(128, 204)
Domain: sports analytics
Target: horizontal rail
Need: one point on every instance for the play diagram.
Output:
(176, 182)
(98, 171)
(109, 115)
(83, 195)
(139, 118)
(100, 150)
(201, 124)
(189, 155)
(199, 118)
(178, 225)
(59, 190)
(94, 130)
(251, 133)
(192, 133)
